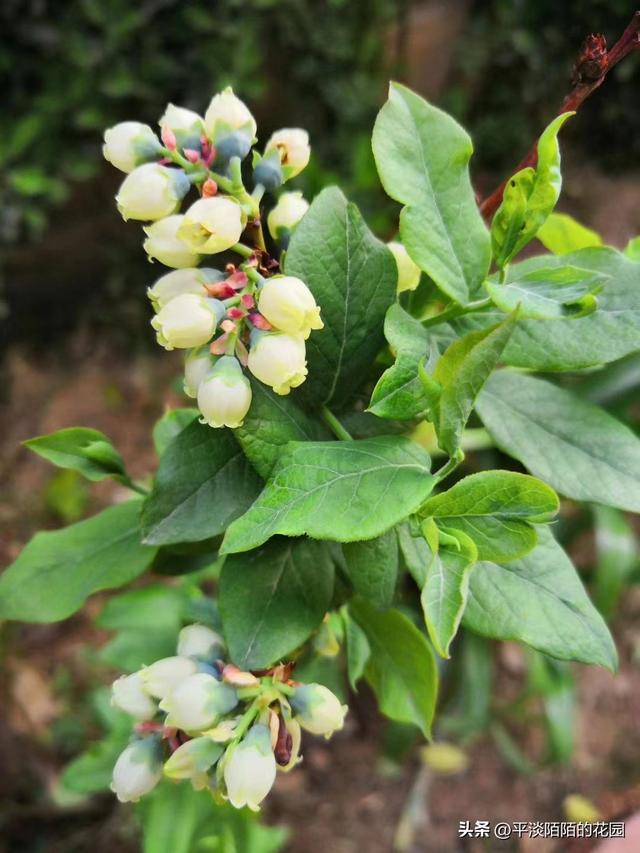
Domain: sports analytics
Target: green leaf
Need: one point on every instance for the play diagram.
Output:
(575, 446)
(496, 509)
(85, 450)
(340, 490)
(461, 372)
(57, 570)
(358, 649)
(272, 599)
(562, 234)
(608, 334)
(399, 393)
(401, 670)
(528, 198)
(415, 552)
(549, 294)
(203, 482)
(272, 421)
(422, 156)
(372, 567)
(444, 594)
(353, 278)
(632, 249)
(618, 555)
(539, 600)
(169, 425)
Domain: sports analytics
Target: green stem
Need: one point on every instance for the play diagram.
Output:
(243, 250)
(456, 311)
(334, 424)
(449, 466)
(131, 484)
(245, 721)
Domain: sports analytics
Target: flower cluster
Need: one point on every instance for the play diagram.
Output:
(246, 314)
(208, 722)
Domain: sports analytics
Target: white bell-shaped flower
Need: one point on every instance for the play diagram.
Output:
(187, 321)
(293, 145)
(129, 695)
(317, 709)
(177, 282)
(199, 641)
(408, 272)
(137, 770)
(194, 760)
(288, 304)
(186, 125)
(130, 143)
(224, 395)
(151, 192)
(212, 225)
(287, 213)
(278, 360)
(197, 364)
(164, 245)
(250, 769)
(166, 674)
(227, 115)
(198, 702)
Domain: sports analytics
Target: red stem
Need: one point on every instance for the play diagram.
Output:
(592, 66)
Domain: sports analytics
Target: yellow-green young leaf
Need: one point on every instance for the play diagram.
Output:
(272, 599)
(562, 234)
(529, 197)
(632, 249)
(461, 372)
(340, 490)
(444, 594)
(422, 156)
(372, 567)
(88, 451)
(352, 276)
(401, 669)
(57, 570)
(574, 445)
(555, 293)
(539, 600)
(497, 509)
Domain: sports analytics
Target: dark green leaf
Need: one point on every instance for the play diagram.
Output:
(415, 552)
(85, 450)
(169, 425)
(358, 649)
(372, 567)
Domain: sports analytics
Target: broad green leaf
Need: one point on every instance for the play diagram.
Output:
(401, 670)
(528, 198)
(372, 567)
(618, 555)
(358, 649)
(575, 446)
(340, 490)
(562, 234)
(88, 451)
(170, 424)
(539, 600)
(608, 334)
(549, 294)
(415, 552)
(632, 249)
(353, 278)
(57, 570)
(399, 393)
(272, 599)
(497, 510)
(272, 421)
(444, 594)
(203, 482)
(468, 710)
(422, 156)
(461, 372)
(553, 681)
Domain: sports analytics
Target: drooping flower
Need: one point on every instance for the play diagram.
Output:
(130, 143)
(288, 304)
(224, 395)
(187, 321)
(164, 245)
(278, 360)
(292, 143)
(250, 769)
(177, 282)
(166, 674)
(286, 215)
(199, 641)
(198, 702)
(194, 760)
(230, 125)
(151, 192)
(317, 709)
(137, 770)
(129, 695)
(212, 225)
(186, 125)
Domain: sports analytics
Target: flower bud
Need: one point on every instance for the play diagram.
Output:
(152, 192)
(287, 213)
(224, 396)
(318, 710)
(130, 143)
(164, 245)
(186, 125)
(230, 125)
(279, 361)
(137, 770)
(408, 272)
(197, 364)
(212, 225)
(292, 143)
(128, 694)
(163, 676)
(193, 760)
(198, 702)
(267, 171)
(250, 770)
(198, 641)
(187, 321)
(189, 280)
(288, 304)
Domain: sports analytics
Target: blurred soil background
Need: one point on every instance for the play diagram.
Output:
(78, 350)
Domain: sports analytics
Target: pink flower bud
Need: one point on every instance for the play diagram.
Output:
(168, 138)
(191, 155)
(235, 313)
(247, 300)
(259, 322)
(209, 188)
(228, 326)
